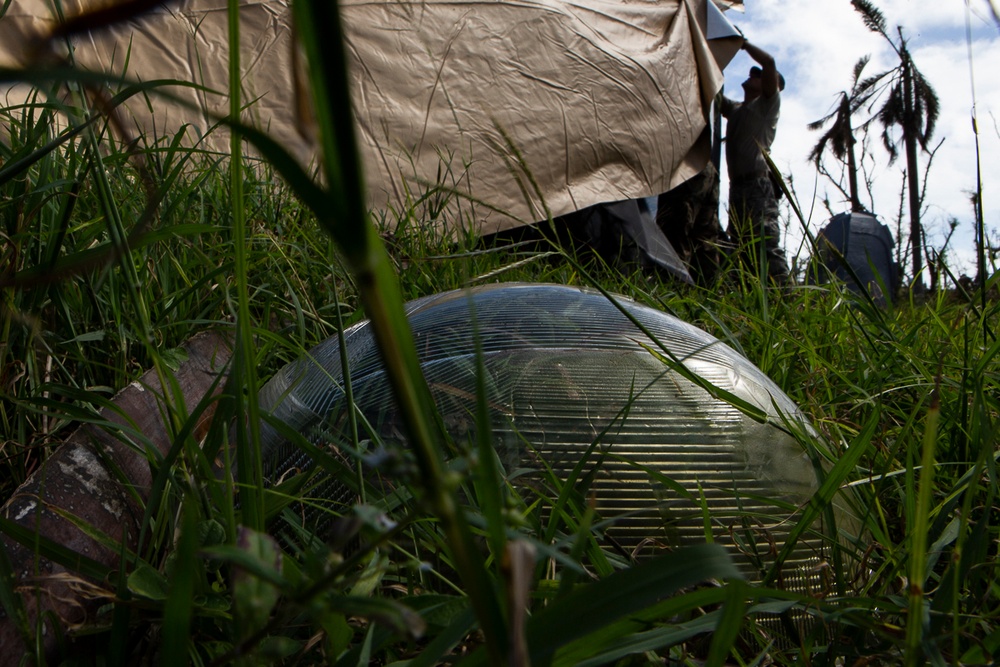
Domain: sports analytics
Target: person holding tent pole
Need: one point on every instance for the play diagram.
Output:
(750, 129)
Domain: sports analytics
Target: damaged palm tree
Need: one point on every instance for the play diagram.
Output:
(911, 105)
(839, 138)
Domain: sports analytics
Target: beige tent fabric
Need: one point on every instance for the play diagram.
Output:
(514, 105)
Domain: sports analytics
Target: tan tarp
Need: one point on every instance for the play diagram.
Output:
(585, 102)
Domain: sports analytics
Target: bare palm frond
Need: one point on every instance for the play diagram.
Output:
(928, 107)
(871, 86)
(818, 124)
(871, 15)
(892, 113)
(835, 136)
(859, 67)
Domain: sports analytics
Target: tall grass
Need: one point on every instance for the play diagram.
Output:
(103, 277)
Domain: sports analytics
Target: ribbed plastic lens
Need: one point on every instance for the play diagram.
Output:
(566, 370)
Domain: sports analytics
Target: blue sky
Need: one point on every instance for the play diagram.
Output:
(816, 45)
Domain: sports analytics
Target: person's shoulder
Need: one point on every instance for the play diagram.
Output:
(768, 104)
(728, 106)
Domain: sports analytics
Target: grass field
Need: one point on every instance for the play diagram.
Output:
(107, 269)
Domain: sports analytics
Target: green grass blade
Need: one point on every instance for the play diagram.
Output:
(828, 489)
(486, 476)
(917, 620)
(249, 466)
(730, 624)
(10, 601)
(178, 610)
(588, 608)
(121, 617)
(445, 640)
(57, 553)
(380, 294)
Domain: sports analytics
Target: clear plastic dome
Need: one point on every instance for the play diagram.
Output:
(566, 368)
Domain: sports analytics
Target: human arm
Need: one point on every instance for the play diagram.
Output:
(768, 69)
(726, 106)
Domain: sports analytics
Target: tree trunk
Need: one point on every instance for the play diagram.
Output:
(101, 481)
(852, 162)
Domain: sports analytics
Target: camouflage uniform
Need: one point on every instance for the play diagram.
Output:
(689, 218)
(753, 218)
(753, 206)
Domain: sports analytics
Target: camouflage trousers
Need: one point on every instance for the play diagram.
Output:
(688, 215)
(753, 225)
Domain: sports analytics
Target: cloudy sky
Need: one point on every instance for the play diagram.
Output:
(816, 45)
